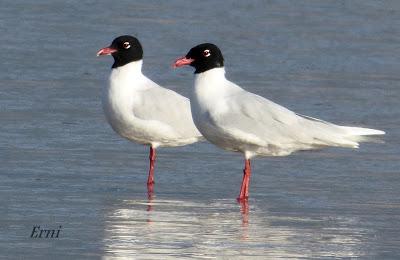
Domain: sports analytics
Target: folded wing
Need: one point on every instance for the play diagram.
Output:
(264, 123)
(167, 111)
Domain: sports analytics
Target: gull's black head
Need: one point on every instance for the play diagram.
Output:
(124, 50)
(202, 57)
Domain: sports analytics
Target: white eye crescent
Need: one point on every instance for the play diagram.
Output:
(126, 45)
(206, 53)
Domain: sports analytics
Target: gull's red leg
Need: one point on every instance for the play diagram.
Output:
(248, 174)
(152, 157)
(244, 189)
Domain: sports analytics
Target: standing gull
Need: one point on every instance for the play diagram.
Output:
(237, 120)
(139, 109)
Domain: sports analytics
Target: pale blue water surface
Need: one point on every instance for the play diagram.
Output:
(61, 164)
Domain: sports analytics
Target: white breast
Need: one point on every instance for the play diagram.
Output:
(208, 104)
(118, 98)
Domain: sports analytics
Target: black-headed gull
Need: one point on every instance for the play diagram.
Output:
(141, 110)
(237, 120)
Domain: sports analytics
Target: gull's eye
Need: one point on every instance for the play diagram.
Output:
(206, 53)
(126, 45)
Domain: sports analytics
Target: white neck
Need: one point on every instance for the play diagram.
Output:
(210, 82)
(206, 80)
(209, 86)
(134, 67)
(129, 75)
(212, 74)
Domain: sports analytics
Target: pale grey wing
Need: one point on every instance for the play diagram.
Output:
(277, 126)
(262, 120)
(167, 108)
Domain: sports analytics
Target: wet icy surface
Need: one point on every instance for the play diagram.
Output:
(61, 164)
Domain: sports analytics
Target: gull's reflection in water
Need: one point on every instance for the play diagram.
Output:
(244, 209)
(169, 229)
(150, 198)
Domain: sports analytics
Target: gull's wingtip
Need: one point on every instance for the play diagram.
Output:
(363, 131)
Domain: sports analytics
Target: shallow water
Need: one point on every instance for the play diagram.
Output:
(61, 164)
